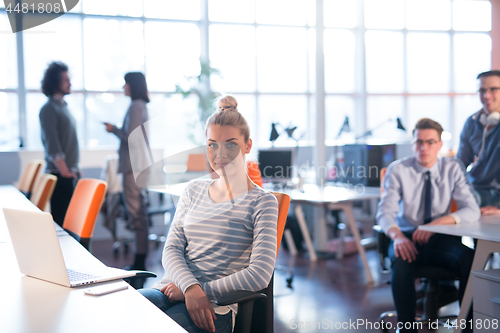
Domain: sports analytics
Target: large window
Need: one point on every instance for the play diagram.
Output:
(420, 59)
(9, 111)
(383, 59)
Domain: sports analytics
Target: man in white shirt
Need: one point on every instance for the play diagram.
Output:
(418, 190)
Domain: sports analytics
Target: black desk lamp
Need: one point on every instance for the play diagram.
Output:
(290, 130)
(345, 127)
(274, 133)
(369, 132)
(400, 124)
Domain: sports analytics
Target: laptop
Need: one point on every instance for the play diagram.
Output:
(38, 252)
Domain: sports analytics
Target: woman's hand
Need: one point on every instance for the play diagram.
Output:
(199, 308)
(173, 293)
(109, 127)
(490, 210)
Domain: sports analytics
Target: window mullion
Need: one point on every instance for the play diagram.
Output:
(21, 84)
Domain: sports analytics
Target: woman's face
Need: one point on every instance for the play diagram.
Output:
(226, 149)
(126, 89)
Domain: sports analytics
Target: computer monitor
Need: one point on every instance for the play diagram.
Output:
(276, 165)
(362, 163)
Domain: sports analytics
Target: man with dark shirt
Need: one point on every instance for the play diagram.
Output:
(479, 147)
(59, 138)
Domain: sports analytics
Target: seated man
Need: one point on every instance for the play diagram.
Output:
(418, 190)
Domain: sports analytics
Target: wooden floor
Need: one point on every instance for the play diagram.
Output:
(327, 294)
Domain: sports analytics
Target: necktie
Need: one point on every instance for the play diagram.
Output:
(427, 198)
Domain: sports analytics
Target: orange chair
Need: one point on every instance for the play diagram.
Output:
(197, 163)
(382, 175)
(42, 190)
(254, 172)
(283, 204)
(29, 176)
(258, 316)
(84, 208)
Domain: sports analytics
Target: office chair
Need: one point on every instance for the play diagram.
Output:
(197, 163)
(256, 309)
(29, 176)
(431, 276)
(114, 206)
(42, 190)
(137, 281)
(167, 206)
(253, 172)
(82, 214)
(84, 208)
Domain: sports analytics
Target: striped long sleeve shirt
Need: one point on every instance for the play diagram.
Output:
(223, 247)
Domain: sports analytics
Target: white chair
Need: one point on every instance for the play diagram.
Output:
(42, 190)
(29, 175)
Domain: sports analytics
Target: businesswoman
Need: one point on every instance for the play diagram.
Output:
(223, 236)
(135, 198)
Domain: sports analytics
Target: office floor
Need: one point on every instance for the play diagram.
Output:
(328, 293)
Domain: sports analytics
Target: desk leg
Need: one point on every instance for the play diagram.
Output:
(290, 242)
(483, 250)
(342, 235)
(351, 221)
(299, 213)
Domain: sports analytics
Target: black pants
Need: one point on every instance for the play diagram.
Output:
(442, 251)
(61, 197)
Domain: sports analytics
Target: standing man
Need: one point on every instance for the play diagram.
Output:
(479, 147)
(418, 190)
(59, 138)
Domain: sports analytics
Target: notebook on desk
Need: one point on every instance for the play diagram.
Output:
(38, 252)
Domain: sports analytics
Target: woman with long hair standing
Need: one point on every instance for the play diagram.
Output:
(135, 197)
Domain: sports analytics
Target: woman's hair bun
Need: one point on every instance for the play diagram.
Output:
(225, 118)
(228, 103)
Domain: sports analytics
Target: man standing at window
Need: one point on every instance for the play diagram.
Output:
(480, 144)
(418, 190)
(59, 138)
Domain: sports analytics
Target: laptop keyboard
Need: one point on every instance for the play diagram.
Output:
(75, 276)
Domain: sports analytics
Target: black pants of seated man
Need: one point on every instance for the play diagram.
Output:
(442, 251)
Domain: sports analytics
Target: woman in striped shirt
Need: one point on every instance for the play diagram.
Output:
(223, 236)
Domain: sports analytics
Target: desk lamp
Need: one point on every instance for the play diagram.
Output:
(274, 133)
(345, 127)
(369, 132)
(289, 131)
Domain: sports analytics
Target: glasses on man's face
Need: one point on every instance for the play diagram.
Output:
(429, 143)
(491, 90)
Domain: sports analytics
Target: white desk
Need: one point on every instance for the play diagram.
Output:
(31, 305)
(332, 197)
(487, 233)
